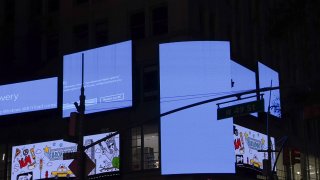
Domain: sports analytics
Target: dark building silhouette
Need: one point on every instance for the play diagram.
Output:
(34, 35)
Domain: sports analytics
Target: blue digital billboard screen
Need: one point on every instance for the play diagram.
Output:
(242, 80)
(268, 77)
(107, 78)
(192, 140)
(28, 96)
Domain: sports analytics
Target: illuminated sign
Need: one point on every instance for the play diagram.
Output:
(28, 96)
(107, 78)
(192, 140)
(41, 160)
(247, 143)
(106, 155)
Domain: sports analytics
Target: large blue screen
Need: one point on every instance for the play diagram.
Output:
(28, 96)
(192, 140)
(107, 78)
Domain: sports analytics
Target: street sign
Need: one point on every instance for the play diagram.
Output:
(74, 166)
(240, 109)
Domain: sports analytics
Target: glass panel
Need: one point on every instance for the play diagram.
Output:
(312, 167)
(136, 148)
(151, 146)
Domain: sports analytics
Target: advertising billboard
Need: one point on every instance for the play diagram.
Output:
(107, 78)
(106, 155)
(242, 79)
(28, 96)
(266, 76)
(41, 160)
(192, 140)
(247, 143)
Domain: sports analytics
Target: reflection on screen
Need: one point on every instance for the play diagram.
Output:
(28, 96)
(192, 140)
(107, 78)
(266, 75)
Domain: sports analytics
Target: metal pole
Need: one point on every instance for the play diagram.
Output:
(269, 174)
(81, 119)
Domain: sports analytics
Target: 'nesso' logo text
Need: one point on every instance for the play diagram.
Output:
(9, 97)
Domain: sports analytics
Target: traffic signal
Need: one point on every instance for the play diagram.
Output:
(73, 124)
(295, 156)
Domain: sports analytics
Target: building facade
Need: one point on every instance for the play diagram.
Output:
(282, 34)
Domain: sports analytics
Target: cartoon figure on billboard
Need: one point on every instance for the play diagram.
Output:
(112, 153)
(62, 171)
(26, 161)
(255, 162)
(25, 176)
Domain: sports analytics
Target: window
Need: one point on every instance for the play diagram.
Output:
(53, 5)
(150, 82)
(35, 8)
(160, 20)
(9, 11)
(145, 147)
(151, 146)
(137, 25)
(101, 33)
(136, 148)
(80, 37)
(52, 46)
(78, 2)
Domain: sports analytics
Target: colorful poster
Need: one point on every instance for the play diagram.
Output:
(247, 143)
(106, 155)
(41, 160)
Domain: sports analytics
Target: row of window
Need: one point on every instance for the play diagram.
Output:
(101, 30)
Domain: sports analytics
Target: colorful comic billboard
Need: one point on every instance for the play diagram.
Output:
(247, 143)
(106, 155)
(107, 78)
(41, 160)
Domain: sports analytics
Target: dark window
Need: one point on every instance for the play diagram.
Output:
(52, 46)
(101, 33)
(150, 83)
(53, 5)
(9, 11)
(35, 8)
(80, 37)
(137, 25)
(160, 20)
(77, 2)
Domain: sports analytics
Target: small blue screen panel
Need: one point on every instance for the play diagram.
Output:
(28, 96)
(193, 140)
(242, 80)
(266, 76)
(107, 78)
